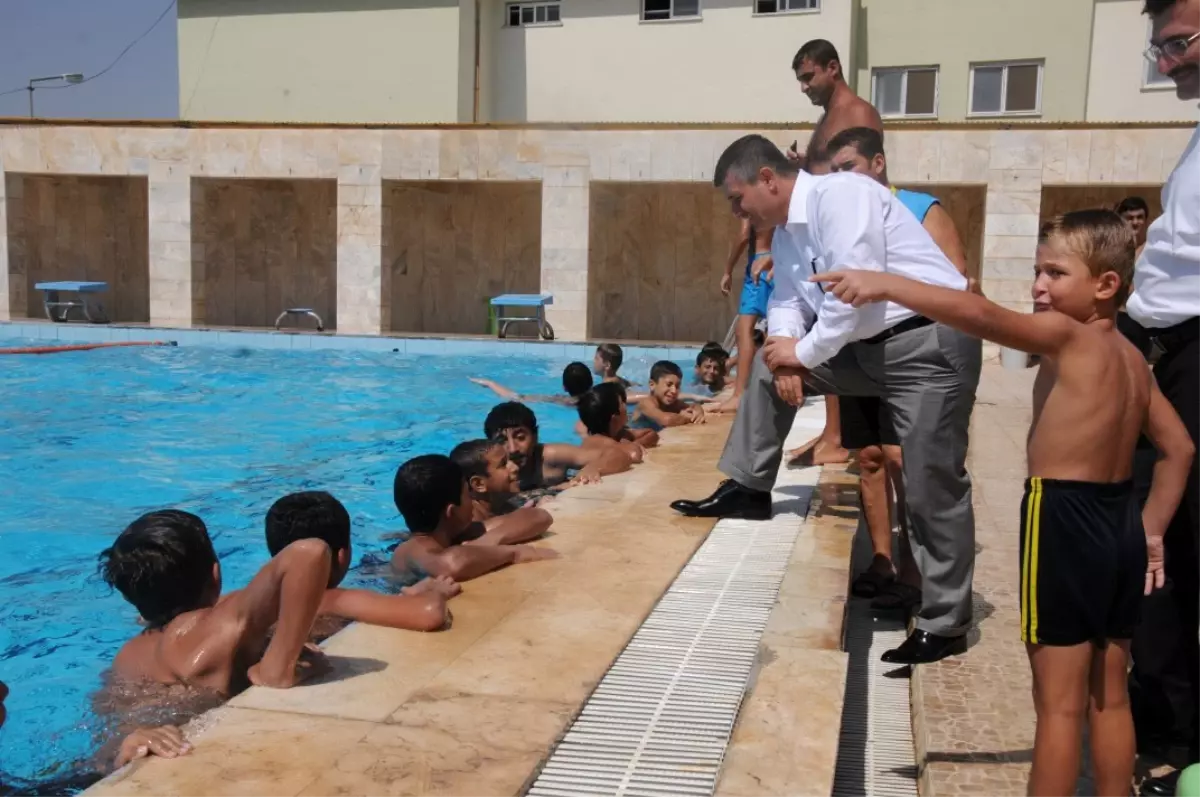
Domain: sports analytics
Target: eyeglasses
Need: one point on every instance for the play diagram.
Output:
(1172, 49)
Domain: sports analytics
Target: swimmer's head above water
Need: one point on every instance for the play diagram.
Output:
(489, 471)
(607, 360)
(164, 564)
(431, 494)
(313, 514)
(603, 409)
(576, 379)
(665, 379)
(514, 426)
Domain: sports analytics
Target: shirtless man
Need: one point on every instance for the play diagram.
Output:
(819, 70)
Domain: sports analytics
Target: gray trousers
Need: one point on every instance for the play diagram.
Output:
(927, 377)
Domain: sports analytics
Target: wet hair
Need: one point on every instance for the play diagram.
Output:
(162, 563)
(866, 141)
(577, 378)
(1155, 7)
(819, 51)
(599, 406)
(1100, 238)
(664, 368)
(424, 487)
(309, 515)
(746, 156)
(509, 415)
(471, 456)
(711, 353)
(612, 355)
(1133, 203)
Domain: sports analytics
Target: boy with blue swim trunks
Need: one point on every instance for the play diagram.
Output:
(757, 285)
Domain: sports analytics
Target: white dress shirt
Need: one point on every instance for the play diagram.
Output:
(844, 221)
(1166, 279)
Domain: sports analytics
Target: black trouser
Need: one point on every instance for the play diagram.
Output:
(1164, 685)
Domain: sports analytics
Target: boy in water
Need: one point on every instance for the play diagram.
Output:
(607, 361)
(604, 424)
(663, 406)
(316, 515)
(493, 481)
(1087, 554)
(544, 465)
(164, 564)
(710, 369)
(431, 494)
(576, 380)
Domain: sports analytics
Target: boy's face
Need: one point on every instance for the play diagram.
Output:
(1064, 283)
(665, 389)
(598, 366)
(518, 444)
(1136, 221)
(501, 477)
(709, 371)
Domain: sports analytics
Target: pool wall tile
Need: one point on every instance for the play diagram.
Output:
(94, 333)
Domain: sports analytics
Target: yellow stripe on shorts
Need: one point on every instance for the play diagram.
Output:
(1029, 562)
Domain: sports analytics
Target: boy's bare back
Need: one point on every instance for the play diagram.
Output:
(1090, 404)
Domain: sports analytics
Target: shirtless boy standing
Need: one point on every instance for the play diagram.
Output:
(165, 565)
(1087, 554)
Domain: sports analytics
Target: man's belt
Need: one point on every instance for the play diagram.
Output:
(908, 325)
(1169, 339)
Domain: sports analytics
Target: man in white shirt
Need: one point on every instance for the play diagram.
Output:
(926, 373)
(1165, 682)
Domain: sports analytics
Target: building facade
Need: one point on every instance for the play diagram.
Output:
(672, 61)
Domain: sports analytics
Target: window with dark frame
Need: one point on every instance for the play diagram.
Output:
(656, 10)
(784, 6)
(524, 15)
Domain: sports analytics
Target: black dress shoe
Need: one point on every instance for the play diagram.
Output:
(730, 500)
(1162, 786)
(922, 647)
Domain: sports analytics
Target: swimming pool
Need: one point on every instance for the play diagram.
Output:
(93, 439)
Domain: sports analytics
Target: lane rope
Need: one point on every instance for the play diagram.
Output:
(85, 346)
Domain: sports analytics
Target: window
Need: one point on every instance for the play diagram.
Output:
(1006, 89)
(523, 15)
(910, 91)
(785, 6)
(655, 10)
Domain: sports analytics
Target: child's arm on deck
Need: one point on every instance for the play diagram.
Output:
(1037, 333)
(425, 611)
(1176, 454)
(465, 562)
(520, 525)
(650, 409)
(499, 390)
(594, 462)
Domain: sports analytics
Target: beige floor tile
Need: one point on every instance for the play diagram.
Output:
(806, 623)
(786, 738)
(449, 743)
(245, 751)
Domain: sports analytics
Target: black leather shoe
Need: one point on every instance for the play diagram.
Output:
(730, 500)
(922, 647)
(1162, 786)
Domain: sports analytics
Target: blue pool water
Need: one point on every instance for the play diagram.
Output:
(93, 439)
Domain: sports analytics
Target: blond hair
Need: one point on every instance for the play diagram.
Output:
(1101, 239)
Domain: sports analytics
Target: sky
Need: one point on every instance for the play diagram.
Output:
(52, 37)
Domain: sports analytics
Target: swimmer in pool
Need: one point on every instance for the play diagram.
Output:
(431, 494)
(576, 380)
(317, 515)
(164, 564)
(493, 479)
(604, 418)
(544, 465)
(664, 407)
(607, 361)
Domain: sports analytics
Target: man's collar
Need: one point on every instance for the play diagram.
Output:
(798, 206)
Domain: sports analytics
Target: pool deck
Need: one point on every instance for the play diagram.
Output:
(476, 709)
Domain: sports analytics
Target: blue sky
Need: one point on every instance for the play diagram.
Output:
(50, 37)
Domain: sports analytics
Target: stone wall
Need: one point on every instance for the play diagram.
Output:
(1012, 165)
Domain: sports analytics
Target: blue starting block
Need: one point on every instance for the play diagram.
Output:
(535, 301)
(59, 310)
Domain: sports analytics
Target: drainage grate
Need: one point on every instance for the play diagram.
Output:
(875, 746)
(661, 718)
